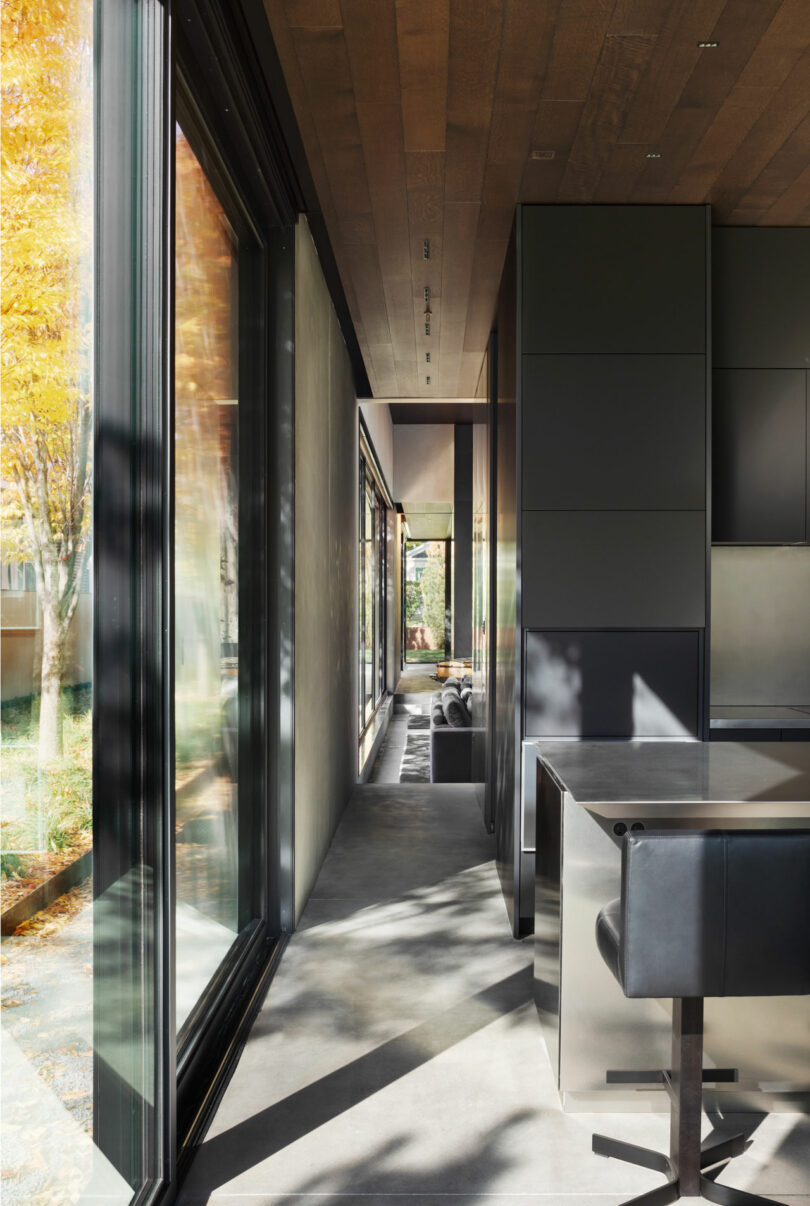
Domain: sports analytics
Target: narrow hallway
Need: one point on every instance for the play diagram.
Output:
(405, 752)
(397, 1057)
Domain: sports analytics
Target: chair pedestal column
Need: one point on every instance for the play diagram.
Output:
(684, 1083)
(686, 1079)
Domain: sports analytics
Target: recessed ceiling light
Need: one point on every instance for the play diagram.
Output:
(653, 155)
(708, 45)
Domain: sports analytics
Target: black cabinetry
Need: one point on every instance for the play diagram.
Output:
(612, 431)
(761, 297)
(608, 684)
(761, 352)
(759, 456)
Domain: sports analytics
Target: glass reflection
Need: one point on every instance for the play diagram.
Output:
(368, 581)
(51, 924)
(371, 609)
(206, 580)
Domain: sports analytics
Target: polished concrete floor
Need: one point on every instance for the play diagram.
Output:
(418, 679)
(411, 699)
(397, 1060)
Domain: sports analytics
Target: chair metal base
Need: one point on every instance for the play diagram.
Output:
(686, 1166)
(710, 1157)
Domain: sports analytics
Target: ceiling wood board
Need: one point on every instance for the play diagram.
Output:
(431, 119)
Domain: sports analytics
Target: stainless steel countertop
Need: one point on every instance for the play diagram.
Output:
(743, 780)
(759, 717)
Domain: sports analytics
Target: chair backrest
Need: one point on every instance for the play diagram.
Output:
(715, 913)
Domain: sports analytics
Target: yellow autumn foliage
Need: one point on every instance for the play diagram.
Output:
(46, 299)
(47, 273)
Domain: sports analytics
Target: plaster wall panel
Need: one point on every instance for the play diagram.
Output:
(423, 462)
(760, 626)
(377, 418)
(325, 569)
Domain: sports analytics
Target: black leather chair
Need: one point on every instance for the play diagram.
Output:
(703, 914)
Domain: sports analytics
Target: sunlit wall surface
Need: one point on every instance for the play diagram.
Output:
(47, 609)
(206, 539)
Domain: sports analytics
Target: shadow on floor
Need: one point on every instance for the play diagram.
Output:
(234, 1151)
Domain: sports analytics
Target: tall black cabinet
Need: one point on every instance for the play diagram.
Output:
(608, 563)
(761, 354)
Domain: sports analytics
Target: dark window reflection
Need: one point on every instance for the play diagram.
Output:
(206, 579)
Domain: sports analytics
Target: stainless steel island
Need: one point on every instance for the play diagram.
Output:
(588, 794)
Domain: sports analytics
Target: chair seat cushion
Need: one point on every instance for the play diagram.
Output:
(609, 935)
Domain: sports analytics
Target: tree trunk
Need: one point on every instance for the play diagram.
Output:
(50, 708)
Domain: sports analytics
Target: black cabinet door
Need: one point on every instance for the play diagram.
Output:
(759, 456)
(761, 297)
(612, 684)
(614, 433)
(613, 278)
(613, 569)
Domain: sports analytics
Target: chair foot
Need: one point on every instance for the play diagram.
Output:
(630, 1153)
(661, 1196)
(726, 1149)
(724, 1195)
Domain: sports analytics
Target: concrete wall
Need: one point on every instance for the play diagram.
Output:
(377, 418)
(326, 459)
(423, 462)
(760, 626)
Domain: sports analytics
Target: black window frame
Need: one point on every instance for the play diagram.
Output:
(141, 48)
(447, 541)
(369, 481)
(215, 101)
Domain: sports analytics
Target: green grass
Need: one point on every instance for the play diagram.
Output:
(416, 656)
(54, 804)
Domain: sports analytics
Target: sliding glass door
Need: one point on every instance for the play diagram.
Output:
(223, 884)
(147, 363)
(206, 579)
(83, 1090)
(371, 594)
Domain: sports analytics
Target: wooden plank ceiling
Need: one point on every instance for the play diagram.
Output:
(429, 120)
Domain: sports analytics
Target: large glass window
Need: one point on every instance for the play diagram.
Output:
(373, 515)
(57, 915)
(426, 604)
(213, 891)
(118, 693)
(206, 547)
